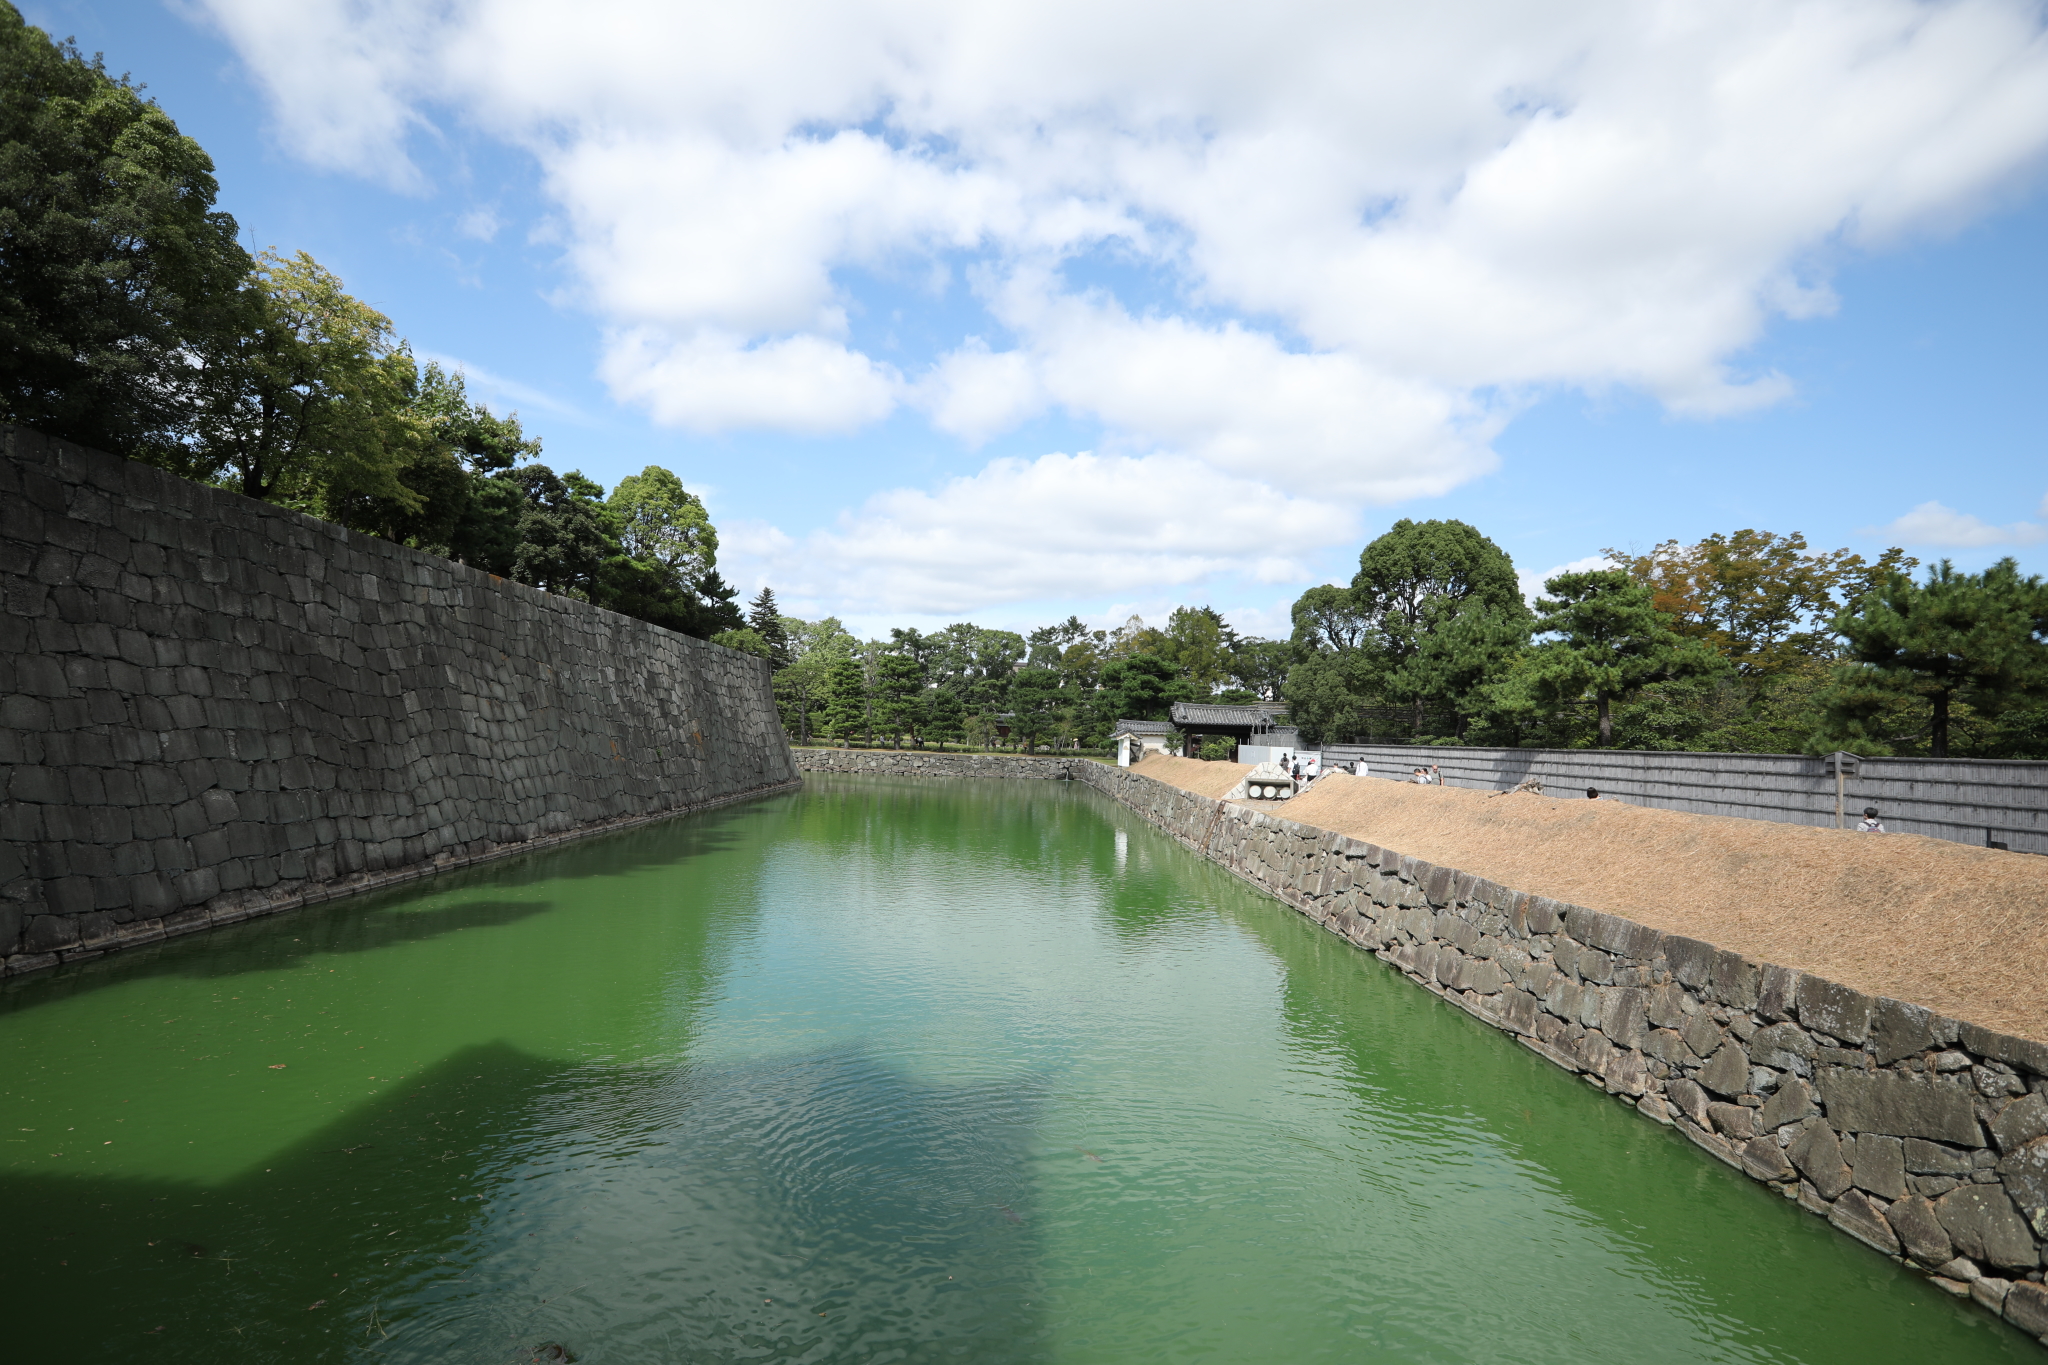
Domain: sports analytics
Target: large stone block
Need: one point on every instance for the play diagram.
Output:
(1818, 1155)
(1985, 1226)
(1834, 1009)
(1613, 934)
(2025, 1173)
(2025, 1119)
(1863, 1220)
(1783, 1047)
(1899, 1106)
(1692, 961)
(1999, 1047)
(1736, 981)
(1622, 1016)
(2026, 1307)
(1727, 1071)
(1900, 1030)
(1920, 1231)
(1777, 997)
(1792, 1102)
(1880, 1166)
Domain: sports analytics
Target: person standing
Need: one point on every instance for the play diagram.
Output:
(1870, 823)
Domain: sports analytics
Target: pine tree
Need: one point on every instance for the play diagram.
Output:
(846, 707)
(764, 617)
(1975, 638)
(1612, 642)
(901, 697)
(945, 716)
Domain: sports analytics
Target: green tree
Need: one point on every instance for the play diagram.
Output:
(1260, 666)
(946, 716)
(1609, 641)
(1198, 642)
(664, 523)
(1464, 649)
(846, 709)
(720, 603)
(803, 689)
(1759, 598)
(1976, 639)
(305, 403)
(1034, 702)
(114, 265)
(1335, 674)
(1417, 575)
(765, 619)
(451, 445)
(900, 693)
(746, 640)
(1142, 687)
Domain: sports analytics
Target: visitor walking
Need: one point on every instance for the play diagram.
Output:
(1871, 824)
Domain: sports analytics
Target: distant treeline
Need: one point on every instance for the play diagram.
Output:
(1742, 642)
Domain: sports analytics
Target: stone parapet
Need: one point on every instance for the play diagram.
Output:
(213, 708)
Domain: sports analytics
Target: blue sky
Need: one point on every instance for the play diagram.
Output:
(1099, 328)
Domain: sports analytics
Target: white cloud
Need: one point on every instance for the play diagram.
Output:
(1370, 228)
(712, 381)
(1532, 583)
(1075, 526)
(1933, 524)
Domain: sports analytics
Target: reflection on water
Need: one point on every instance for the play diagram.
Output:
(883, 1071)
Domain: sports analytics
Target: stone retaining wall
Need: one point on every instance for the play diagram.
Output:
(1925, 1138)
(911, 763)
(213, 708)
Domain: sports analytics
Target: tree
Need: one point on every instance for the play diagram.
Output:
(804, 688)
(1260, 666)
(721, 609)
(946, 716)
(1609, 641)
(1198, 642)
(764, 619)
(1034, 700)
(746, 640)
(1757, 597)
(305, 402)
(1975, 638)
(900, 694)
(1419, 574)
(562, 540)
(846, 710)
(450, 446)
(1465, 648)
(666, 524)
(1142, 687)
(114, 265)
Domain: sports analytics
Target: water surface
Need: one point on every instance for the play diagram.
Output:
(887, 1070)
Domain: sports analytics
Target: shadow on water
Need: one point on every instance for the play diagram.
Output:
(416, 911)
(812, 1208)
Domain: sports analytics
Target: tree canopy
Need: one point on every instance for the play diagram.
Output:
(1980, 639)
(115, 267)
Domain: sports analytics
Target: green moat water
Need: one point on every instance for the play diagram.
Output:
(885, 1071)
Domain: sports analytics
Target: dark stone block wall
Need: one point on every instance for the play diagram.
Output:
(211, 707)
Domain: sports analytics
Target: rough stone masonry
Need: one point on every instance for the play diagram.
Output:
(1925, 1138)
(213, 708)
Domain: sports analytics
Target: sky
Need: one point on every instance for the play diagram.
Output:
(1011, 311)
